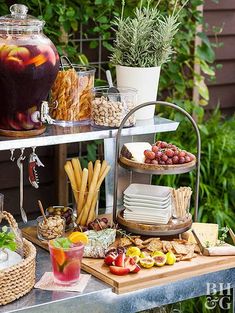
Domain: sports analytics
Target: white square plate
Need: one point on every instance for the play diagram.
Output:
(144, 202)
(148, 192)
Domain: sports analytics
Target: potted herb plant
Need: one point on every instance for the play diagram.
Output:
(142, 44)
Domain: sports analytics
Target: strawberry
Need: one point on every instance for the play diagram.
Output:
(120, 259)
(117, 270)
(110, 258)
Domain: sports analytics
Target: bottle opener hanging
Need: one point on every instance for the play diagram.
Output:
(21, 168)
(33, 162)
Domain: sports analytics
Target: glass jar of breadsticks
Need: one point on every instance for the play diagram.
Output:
(85, 184)
(71, 94)
(181, 202)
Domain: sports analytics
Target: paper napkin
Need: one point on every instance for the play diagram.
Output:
(47, 283)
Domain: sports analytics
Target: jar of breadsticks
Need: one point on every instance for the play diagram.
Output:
(85, 184)
(71, 94)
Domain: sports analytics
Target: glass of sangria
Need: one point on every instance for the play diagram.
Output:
(66, 257)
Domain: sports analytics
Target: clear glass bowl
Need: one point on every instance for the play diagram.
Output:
(109, 109)
(53, 228)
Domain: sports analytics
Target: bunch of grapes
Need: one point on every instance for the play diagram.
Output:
(164, 153)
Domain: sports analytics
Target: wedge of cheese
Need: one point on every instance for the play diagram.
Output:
(135, 151)
(206, 232)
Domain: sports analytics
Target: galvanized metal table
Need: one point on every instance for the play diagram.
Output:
(99, 298)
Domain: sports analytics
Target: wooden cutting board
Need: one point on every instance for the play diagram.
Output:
(146, 277)
(157, 275)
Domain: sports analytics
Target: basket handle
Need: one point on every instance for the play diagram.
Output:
(10, 219)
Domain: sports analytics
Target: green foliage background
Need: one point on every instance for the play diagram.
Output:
(217, 185)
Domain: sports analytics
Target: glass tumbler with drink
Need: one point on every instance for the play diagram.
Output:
(66, 256)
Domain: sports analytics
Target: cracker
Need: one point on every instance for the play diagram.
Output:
(178, 257)
(124, 242)
(138, 242)
(145, 242)
(188, 257)
(180, 248)
(166, 246)
(155, 245)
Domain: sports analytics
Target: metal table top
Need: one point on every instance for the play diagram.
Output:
(99, 297)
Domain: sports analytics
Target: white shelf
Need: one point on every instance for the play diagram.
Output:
(56, 135)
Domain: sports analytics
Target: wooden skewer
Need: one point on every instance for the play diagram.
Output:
(42, 211)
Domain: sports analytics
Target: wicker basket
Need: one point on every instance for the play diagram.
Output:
(19, 279)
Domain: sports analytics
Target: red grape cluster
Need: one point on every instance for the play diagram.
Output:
(164, 153)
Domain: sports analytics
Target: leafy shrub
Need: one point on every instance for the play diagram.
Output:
(217, 181)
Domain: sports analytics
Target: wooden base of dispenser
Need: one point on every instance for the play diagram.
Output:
(23, 133)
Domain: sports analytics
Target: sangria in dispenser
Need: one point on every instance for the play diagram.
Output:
(29, 64)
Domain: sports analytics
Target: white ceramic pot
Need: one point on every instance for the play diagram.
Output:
(145, 80)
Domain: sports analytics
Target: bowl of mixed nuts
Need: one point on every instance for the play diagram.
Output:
(51, 227)
(109, 109)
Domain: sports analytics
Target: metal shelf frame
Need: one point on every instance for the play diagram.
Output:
(117, 151)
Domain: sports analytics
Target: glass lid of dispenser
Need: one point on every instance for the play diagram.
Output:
(19, 20)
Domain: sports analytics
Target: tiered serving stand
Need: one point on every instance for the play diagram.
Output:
(175, 226)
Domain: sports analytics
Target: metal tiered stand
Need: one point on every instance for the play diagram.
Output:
(175, 226)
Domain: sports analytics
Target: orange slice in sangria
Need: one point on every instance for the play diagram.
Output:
(77, 237)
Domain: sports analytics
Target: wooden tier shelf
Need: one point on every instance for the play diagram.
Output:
(174, 227)
(156, 169)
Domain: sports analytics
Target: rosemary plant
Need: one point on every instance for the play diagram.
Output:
(144, 40)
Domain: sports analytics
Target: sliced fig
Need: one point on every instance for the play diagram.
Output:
(160, 260)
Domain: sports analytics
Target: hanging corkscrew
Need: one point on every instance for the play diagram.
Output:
(34, 161)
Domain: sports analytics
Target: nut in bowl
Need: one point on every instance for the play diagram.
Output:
(51, 227)
(71, 95)
(65, 212)
(108, 110)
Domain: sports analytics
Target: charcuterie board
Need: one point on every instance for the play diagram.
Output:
(146, 277)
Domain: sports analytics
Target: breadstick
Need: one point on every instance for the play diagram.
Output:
(103, 176)
(94, 201)
(69, 170)
(92, 190)
(79, 166)
(90, 173)
(82, 190)
(76, 169)
(91, 214)
(103, 167)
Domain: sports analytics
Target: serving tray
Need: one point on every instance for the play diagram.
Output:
(174, 227)
(157, 169)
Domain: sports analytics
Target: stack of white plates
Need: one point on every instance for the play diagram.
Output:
(147, 204)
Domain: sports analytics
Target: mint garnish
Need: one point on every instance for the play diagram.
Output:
(7, 239)
(63, 243)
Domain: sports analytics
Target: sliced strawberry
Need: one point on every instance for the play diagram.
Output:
(130, 263)
(137, 269)
(110, 258)
(117, 270)
(120, 259)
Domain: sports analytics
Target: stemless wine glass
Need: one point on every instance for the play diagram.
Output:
(66, 263)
